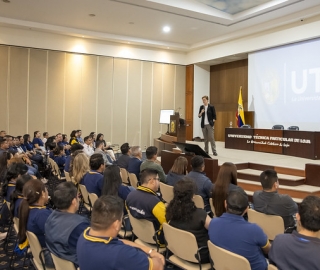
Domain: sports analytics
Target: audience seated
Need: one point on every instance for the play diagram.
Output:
(144, 202)
(87, 146)
(33, 215)
(204, 184)
(4, 145)
(226, 181)
(178, 170)
(17, 196)
(37, 142)
(74, 147)
(301, 249)
(93, 180)
(78, 136)
(79, 166)
(59, 157)
(73, 137)
(152, 163)
(270, 202)
(135, 161)
(100, 150)
(99, 248)
(123, 160)
(4, 157)
(64, 227)
(45, 137)
(233, 233)
(183, 214)
(107, 148)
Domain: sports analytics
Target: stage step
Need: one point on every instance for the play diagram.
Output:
(296, 192)
(284, 179)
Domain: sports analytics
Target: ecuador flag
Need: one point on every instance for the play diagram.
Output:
(240, 112)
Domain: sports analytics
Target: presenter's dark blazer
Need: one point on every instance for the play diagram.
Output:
(211, 113)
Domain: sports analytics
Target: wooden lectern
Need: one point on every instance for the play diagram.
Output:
(177, 133)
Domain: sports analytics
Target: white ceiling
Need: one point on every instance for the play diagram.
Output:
(194, 23)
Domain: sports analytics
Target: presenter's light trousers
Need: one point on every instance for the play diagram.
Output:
(208, 135)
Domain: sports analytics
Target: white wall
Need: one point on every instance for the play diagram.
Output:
(201, 88)
(50, 41)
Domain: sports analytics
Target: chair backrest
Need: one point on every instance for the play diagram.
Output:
(166, 192)
(35, 249)
(67, 175)
(246, 126)
(85, 194)
(61, 264)
(55, 168)
(272, 267)
(278, 127)
(16, 224)
(293, 128)
(226, 260)
(271, 225)
(198, 201)
(93, 197)
(212, 207)
(124, 176)
(133, 180)
(143, 229)
(181, 243)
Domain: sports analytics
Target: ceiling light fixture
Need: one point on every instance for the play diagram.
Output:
(166, 29)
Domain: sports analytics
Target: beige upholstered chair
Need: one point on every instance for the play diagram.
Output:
(198, 201)
(226, 260)
(270, 224)
(272, 267)
(92, 197)
(36, 251)
(85, 198)
(184, 247)
(124, 176)
(133, 180)
(166, 192)
(144, 230)
(55, 169)
(212, 207)
(61, 264)
(68, 178)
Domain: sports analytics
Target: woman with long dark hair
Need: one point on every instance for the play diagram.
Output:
(178, 170)
(226, 181)
(17, 196)
(182, 213)
(73, 137)
(33, 214)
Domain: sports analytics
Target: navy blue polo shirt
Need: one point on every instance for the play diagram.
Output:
(10, 189)
(233, 233)
(109, 253)
(37, 141)
(93, 181)
(37, 218)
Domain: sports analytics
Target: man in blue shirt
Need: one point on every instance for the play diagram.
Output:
(64, 227)
(300, 250)
(203, 183)
(233, 233)
(93, 180)
(99, 248)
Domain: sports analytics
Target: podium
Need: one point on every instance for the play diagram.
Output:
(177, 133)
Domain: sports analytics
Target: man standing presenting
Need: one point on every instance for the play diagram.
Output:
(208, 117)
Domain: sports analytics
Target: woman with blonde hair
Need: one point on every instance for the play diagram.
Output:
(80, 166)
(226, 181)
(178, 170)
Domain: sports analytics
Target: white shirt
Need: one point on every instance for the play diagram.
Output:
(88, 150)
(206, 122)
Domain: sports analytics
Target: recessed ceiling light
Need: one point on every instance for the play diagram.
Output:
(168, 48)
(92, 15)
(166, 29)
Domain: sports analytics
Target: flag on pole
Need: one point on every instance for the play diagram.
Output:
(240, 112)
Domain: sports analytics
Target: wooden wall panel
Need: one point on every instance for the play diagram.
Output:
(146, 102)
(225, 82)
(180, 90)
(157, 96)
(37, 91)
(18, 96)
(4, 55)
(89, 94)
(120, 88)
(56, 93)
(134, 103)
(189, 101)
(73, 92)
(105, 96)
